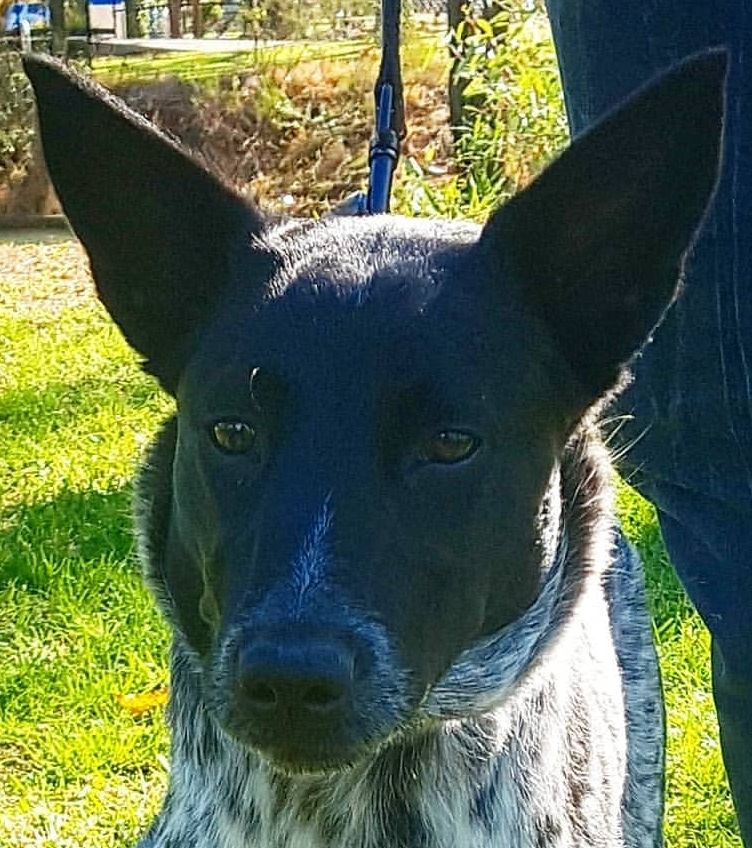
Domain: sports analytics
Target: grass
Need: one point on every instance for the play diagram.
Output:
(77, 629)
(203, 68)
(699, 813)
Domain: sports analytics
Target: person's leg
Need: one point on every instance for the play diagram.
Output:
(733, 699)
(712, 555)
(692, 394)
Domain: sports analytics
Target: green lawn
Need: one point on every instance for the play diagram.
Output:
(208, 67)
(76, 628)
(112, 70)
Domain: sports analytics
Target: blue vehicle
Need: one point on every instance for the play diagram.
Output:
(36, 15)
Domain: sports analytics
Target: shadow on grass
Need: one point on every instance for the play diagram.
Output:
(56, 406)
(76, 527)
(81, 527)
(670, 606)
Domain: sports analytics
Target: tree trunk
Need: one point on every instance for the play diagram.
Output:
(57, 25)
(198, 19)
(454, 16)
(175, 28)
(131, 19)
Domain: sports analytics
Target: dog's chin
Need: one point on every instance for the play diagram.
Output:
(292, 765)
(291, 754)
(294, 757)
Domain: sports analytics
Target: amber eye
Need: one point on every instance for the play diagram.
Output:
(233, 436)
(449, 447)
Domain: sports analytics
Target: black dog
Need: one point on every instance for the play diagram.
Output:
(380, 522)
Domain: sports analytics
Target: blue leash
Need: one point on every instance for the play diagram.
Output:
(390, 121)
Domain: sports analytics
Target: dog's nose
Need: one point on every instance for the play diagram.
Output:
(299, 679)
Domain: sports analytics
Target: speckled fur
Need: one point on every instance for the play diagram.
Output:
(546, 735)
(547, 731)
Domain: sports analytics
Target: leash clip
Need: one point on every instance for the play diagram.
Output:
(384, 151)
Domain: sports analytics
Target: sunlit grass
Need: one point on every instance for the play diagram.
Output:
(76, 627)
(202, 68)
(77, 770)
(699, 812)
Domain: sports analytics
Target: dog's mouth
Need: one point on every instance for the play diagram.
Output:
(310, 757)
(300, 736)
(302, 747)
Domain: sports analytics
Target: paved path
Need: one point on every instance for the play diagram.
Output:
(428, 26)
(41, 236)
(123, 46)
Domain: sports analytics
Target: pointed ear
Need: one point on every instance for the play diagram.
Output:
(598, 240)
(160, 230)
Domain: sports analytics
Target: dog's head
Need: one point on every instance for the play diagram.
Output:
(370, 410)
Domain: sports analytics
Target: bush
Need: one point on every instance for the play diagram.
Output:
(513, 112)
(16, 118)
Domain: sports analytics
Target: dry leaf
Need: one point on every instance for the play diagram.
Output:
(140, 703)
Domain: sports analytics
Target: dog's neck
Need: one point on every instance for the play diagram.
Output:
(442, 784)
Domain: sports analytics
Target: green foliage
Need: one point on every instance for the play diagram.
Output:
(75, 16)
(16, 116)
(513, 115)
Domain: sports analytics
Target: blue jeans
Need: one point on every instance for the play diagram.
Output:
(691, 400)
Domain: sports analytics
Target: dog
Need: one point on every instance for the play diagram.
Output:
(380, 523)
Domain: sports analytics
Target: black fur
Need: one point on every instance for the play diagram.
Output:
(393, 624)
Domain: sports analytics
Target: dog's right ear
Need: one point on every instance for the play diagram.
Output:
(599, 239)
(161, 231)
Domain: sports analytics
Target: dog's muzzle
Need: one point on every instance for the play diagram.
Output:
(295, 682)
(310, 699)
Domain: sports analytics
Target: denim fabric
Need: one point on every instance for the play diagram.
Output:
(690, 430)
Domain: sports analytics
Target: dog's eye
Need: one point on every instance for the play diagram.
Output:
(233, 436)
(449, 447)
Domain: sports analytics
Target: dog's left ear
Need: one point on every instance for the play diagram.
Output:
(162, 232)
(598, 240)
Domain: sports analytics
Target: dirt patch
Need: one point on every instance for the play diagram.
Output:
(42, 278)
(297, 140)
(294, 138)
